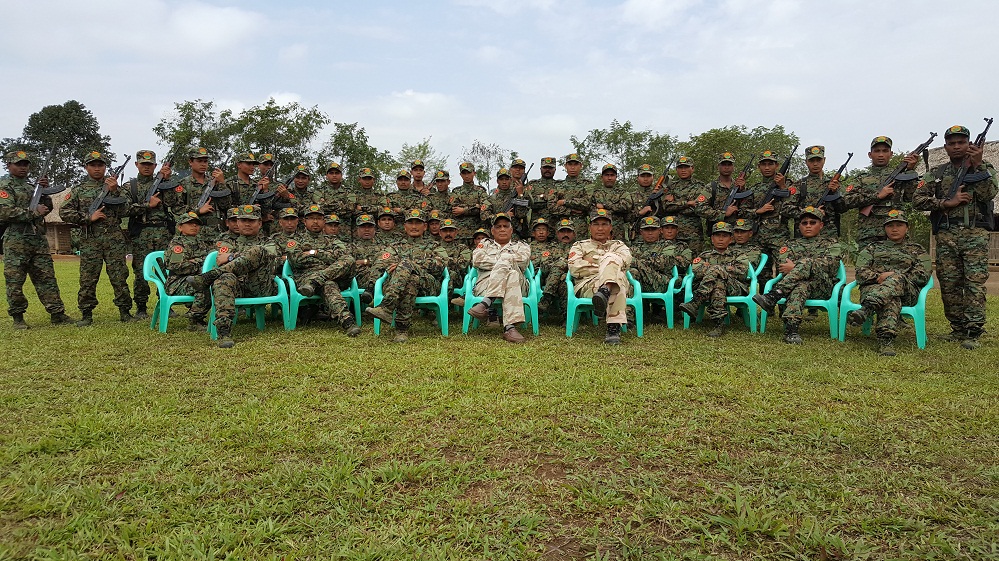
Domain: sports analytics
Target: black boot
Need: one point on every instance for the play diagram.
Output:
(60, 317)
(141, 313)
(600, 298)
(201, 282)
(690, 308)
(124, 315)
(769, 300)
(307, 289)
(350, 326)
(858, 317)
(613, 334)
(19, 321)
(719, 328)
(87, 319)
(886, 345)
(546, 302)
(197, 324)
(225, 338)
(791, 336)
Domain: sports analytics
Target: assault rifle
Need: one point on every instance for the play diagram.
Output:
(159, 178)
(900, 173)
(734, 193)
(962, 177)
(36, 196)
(518, 200)
(774, 192)
(257, 194)
(210, 193)
(661, 187)
(102, 198)
(831, 196)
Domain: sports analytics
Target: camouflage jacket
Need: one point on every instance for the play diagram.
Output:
(140, 212)
(688, 219)
(440, 201)
(661, 256)
(335, 200)
(185, 255)
(734, 264)
(424, 253)
(620, 201)
(76, 210)
(935, 187)
(471, 197)
(751, 250)
(369, 201)
(819, 256)
(572, 190)
(184, 198)
(407, 200)
(459, 256)
(862, 191)
(15, 195)
(773, 224)
(537, 191)
(905, 258)
(308, 251)
(711, 208)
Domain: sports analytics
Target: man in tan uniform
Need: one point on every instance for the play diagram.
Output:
(598, 266)
(501, 263)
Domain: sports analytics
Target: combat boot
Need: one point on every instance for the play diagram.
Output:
(60, 317)
(600, 299)
(546, 302)
(141, 313)
(87, 319)
(791, 336)
(124, 315)
(769, 300)
(718, 330)
(349, 326)
(479, 311)
(401, 337)
(971, 341)
(379, 312)
(613, 334)
(690, 308)
(366, 299)
(857, 317)
(197, 324)
(886, 345)
(225, 338)
(201, 282)
(19, 321)
(307, 289)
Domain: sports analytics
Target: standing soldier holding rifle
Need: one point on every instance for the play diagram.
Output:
(875, 192)
(684, 196)
(26, 250)
(726, 194)
(150, 226)
(958, 194)
(185, 196)
(818, 191)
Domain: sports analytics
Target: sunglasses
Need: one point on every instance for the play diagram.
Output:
(809, 222)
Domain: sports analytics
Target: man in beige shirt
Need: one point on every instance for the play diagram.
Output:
(598, 267)
(501, 263)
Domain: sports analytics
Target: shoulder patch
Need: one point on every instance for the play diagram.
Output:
(224, 249)
(701, 198)
(697, 260)
(793, 190)
(480, 246)
(921, 184)
(4, 194)
(386, 255)
(546, 254)
(178, 249)
(68, 195)
(572, 254)
(179, 188)
(783, 249)
(849, 188)
(291, 243)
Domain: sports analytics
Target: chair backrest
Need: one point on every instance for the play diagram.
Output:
(210, 260)
(286, 269)
(151, 268)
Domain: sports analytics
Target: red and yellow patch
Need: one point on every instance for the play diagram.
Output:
(224, 249)
(572, 254)
(291, 243)
(4, 194)
(793, 190)
(546, 254)
(480, 246)
(783, 249)
(921, 184)
(179, 189)
(701, 198)
(849, 188)
(697, 260)
(386, 255)
(178, 249)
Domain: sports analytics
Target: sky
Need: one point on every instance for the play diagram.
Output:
(524, 75)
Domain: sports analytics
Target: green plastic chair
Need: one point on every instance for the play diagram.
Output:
(745, 302)
(576, 306)
(439, 302)
(667, 298)
(295, 298)
(917, 312)
(830, 305)
(153, 272)
(530, 300)
(257, 304)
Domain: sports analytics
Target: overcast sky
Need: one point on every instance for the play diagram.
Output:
(525, 75)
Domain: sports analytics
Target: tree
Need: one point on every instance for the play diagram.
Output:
(66, 132)
(704, 148)
(196, 123)
(622, 145)
(488, 159)
(348, 146)
(432, 160)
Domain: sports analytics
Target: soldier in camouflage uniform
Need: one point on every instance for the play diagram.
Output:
(962, 242)
(570, 198)
(415, 266)
(809, 264)
(864, 191)
(819, 191)
(184, 197)
(654, 258)
(773, 216)
(440, 195)
(242, 184)
(553, 266)
(246, 270)
(232, 226)
(466, 203)
(297, 194)
(711, 209)
(508, 199)
(185, 256)
(334, 197)
(598, 266)
(618, 200)
(434, 225)
(890, 272)
(366, 250)
(26, 252)
(149, 224)
(333, 227)
(459, 255)
(537, 189)
(540, 239)
(388, 233)
(681, 201)
(322, 264)
(419, 171)
(406, 198)
(287, 230)
(367, 199)
(646, 194)
(102, 241)
(718, 274)
(743, 242)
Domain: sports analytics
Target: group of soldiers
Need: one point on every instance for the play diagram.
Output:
(330, 232)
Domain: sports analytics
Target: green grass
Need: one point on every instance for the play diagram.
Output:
(120, 443)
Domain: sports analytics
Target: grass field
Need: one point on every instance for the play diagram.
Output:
(120, 443)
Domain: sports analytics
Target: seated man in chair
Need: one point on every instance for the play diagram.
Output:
(598, 266)
(718, 274)
(501, 263)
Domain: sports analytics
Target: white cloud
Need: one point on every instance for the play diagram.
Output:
(293, 53)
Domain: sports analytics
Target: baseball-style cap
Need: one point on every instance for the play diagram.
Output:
(645, 169)
(722, 226)
(366, 172)
(668, 221)
(518, 162)
(232, 213)
(288, 212)
(768, 155)
(466, 166)
(815, 152)
(743, 224)
(482, 231)
(957, 129)
(189, 217)
(416, 164)
(312, 209)
(302, 169)
(385, 211)
(251, 212)
(332, 219)
(601, 213)
(538, 222)
(415, 214)
(434, 215)
(365, 219)
(449, 224)
(247, 157)
(94, 156)
(726, 157)
(548, 162)
(199, 152)
(895, 215)
(650, 222)
(16, 156)
(813, 211)
(502, 172)
(881, 140)
(441, 174)
(268, 157)
(403, 173)
(573, 158)
(145, 157)
(684, 161)
(610, 167)
(333, 166)
(566, 224)
(501, 216)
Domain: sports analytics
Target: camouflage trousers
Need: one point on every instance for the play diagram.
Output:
(651, 279)
(401, 288)
(28, 255)
(770, 242)
(150, 239)
(504, 282)
(250, 274)
(553, 279)
(886, 300)
(962, 269)
(800, 284)
(610, 269)
(175, 286)
(713, 287)
(97, 252)
(332, 280)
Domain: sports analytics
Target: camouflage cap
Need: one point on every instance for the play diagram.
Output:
(415, 214)
(573, 158)
(416, 164)
(743, 224)
(813, 211)
(668, 221)
(266, 158)
(232, 213)
(189, 217)
(502, 172)
(385, 211)
(816, 151)
(403, 173)
(94, 156)
(721, 226)
(645, 169)
(957, 130)
(768, 155)
(608, 167)
(302, 169)
(566, 224)
(288, 212)
(365, 219)
(501, 216)
(199, 152)
(247, 157)
(312, 209)
(441, 174)
(332, 219)
(366, 172)
(481, 231)
(518, 162)
(726, 157)
(16, 156)
(449, 224)
(881, 140)
(249, 212)
(895, 215)
(333, 166)
(548, 162)
(145, 157)
(601, 213)
(684, 161)
(434, 215)
(466, 166)
(538, 222)
(650, 222)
